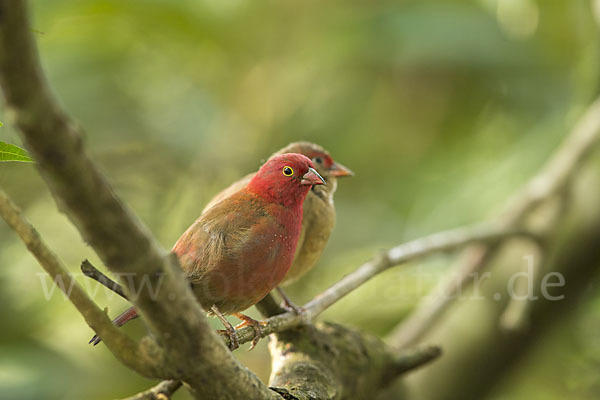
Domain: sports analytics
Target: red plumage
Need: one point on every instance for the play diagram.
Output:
(242, 247)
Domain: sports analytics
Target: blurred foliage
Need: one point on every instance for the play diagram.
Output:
(442, 108)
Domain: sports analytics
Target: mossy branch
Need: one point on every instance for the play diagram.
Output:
(330, 361)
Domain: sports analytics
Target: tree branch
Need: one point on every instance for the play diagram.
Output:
(311, 367)
(411, 359)
(124, 244)
(141, 358)
(194, 352)
(281, 321)
(553, 179)
(330, 361)
(442, 241)
(486, 354)
(92, 272)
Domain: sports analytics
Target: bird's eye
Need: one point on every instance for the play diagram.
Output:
(288, 171)
(318, 160)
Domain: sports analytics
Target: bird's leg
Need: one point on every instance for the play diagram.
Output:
(256, 325)
(229, 329)
(288, 304)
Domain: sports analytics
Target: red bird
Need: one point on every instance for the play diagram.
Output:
(239, 250)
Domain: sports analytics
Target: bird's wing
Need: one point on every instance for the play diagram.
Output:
(219, 234)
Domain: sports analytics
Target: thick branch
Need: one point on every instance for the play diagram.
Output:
(195, 354)
(330, 361)
(294, 372)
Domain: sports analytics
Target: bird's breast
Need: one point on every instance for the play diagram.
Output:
(252, 264)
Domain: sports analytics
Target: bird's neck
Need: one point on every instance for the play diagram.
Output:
(289, 196)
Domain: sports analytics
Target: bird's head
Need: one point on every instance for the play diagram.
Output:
(324, 163)
(285, 179)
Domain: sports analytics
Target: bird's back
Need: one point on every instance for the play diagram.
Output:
(228, 191)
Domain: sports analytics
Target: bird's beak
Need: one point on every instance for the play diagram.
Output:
(338, 170)
(312, 177)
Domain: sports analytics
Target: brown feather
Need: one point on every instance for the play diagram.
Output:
(318, 212)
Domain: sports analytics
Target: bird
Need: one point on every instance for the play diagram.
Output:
(318, 211)
(240, 249)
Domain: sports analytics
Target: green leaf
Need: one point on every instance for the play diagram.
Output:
(10, 152)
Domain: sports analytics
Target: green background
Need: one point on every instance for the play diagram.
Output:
(441, 108)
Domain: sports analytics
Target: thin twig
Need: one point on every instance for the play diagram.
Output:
(411, 359)
(267, 306)
(125, 349)
(473, 259)
(442, 241)
(92, 272)
(553, 179)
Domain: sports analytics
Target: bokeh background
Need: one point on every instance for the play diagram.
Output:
(442, 109)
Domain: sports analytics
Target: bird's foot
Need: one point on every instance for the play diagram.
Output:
(234, 342)
(256, 325)
(288, 305)
(229, 330)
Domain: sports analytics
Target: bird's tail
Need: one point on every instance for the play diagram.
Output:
(121, 320)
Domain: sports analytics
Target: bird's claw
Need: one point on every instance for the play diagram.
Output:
(256, 325)
(234, 341)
